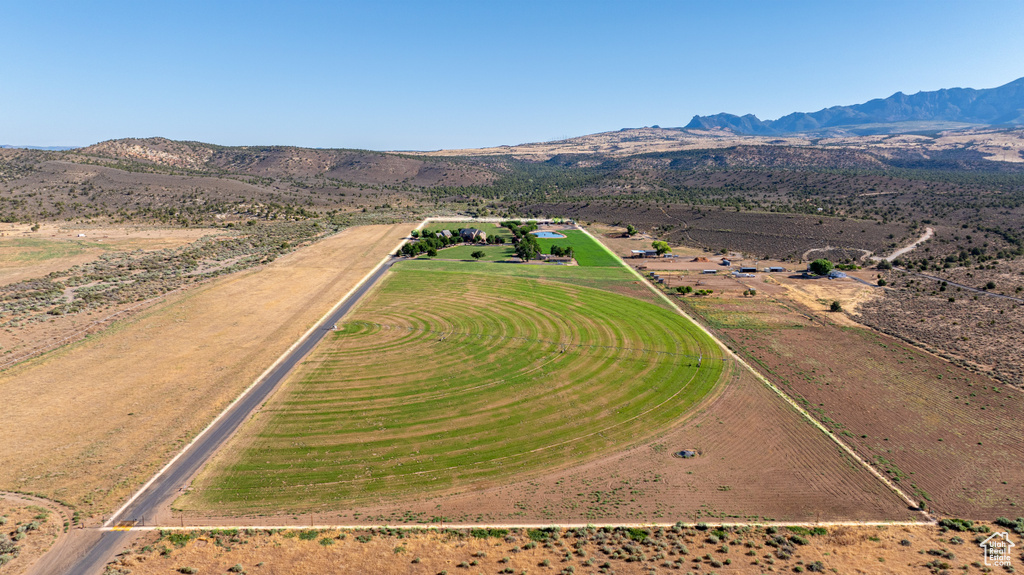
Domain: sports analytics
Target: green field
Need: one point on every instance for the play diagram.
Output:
(456, 373)
(587, 251)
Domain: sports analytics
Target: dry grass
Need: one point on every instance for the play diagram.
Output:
(89, 423)
(25, 254)
(844, 550)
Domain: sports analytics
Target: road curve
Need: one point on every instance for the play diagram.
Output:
(167, 484)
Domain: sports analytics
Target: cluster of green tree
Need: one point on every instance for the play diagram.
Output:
(821, 266)
(661, 247)
(527, 247)
(520, 229)
(689, 289)
(560, 251)
(429, 242)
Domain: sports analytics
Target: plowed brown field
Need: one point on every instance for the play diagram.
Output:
(949, 436)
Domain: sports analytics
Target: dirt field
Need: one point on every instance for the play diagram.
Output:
(741, 550)
(89, 423)
(949, 436)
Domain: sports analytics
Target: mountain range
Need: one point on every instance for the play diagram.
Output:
(952, 107)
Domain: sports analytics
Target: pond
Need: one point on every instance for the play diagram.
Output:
(547, 234)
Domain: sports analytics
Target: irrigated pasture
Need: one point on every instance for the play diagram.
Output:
(586, 251)
(948, 437)
(445, 380)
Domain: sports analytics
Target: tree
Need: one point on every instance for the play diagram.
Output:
(884, 265)
(821, 266)
(477, 255)
(631, 230)
(661, 247)
(836, 306)
(431, 253)
(415, 233)
(527, 251)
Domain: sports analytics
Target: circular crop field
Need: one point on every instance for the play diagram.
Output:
(445, 380)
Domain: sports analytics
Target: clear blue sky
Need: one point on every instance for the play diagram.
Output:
(427, 75)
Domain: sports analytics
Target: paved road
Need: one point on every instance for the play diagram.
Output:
(169, 483)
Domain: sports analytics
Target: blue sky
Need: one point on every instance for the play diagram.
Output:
(427, 75)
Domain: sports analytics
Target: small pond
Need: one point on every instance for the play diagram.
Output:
(547, 234)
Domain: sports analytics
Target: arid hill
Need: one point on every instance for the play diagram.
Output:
(358, 166)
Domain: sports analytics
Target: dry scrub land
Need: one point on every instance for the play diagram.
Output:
(918, 550)
(27, 531)
(89, 423)
(950, 437)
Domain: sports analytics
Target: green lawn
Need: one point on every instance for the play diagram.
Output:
(490, 229)
(454, 374)
(493, 253)
(587, 251)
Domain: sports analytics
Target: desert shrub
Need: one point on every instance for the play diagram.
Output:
(308, 534)
(818, 531)
(485, 533)
(326, 541)
(177, 538)
(539, 535)
(637, 534)
(1017, 526)
(237, 568)
(187, 570)
(957, 524)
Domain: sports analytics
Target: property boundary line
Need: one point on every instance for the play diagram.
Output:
(438, 527)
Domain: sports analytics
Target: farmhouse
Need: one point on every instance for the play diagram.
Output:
(472, 235)
(446, 233)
